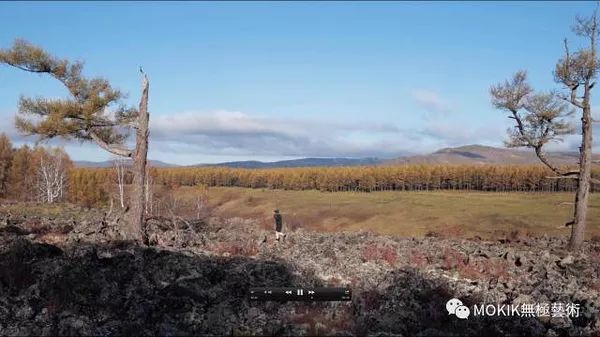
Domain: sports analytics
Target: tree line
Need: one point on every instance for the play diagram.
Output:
(47, 174)
(494, 178)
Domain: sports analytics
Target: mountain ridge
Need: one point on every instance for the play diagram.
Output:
(473, 154)
(302, 162)
(476, 154)
(109, 163)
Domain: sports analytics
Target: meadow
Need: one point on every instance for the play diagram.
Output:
(407, 213)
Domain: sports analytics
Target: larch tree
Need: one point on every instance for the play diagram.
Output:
(6, 155)
(542, 118)
(21, 174)
(93, 112)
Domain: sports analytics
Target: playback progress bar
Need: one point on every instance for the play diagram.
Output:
(300, 294)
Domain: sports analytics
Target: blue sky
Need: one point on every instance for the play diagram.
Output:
(278, 80)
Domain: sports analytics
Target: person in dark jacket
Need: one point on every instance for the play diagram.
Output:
(278, 225)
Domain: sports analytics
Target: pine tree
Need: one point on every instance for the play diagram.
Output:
(93, 112)
(541, 118)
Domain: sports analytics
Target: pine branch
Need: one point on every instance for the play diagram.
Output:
(573, 101)
(83, 115)
(119, 151)
(541, 155)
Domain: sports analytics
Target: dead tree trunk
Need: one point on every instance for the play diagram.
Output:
(120, 167)
(136, 223)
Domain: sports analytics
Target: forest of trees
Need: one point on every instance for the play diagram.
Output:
(48, 175)
(373, 178)
(507, 178)
(34, 173)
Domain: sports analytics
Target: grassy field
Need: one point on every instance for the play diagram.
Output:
(408, 213)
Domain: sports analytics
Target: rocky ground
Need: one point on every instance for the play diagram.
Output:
(67, 272)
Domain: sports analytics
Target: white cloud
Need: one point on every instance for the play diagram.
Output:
(237, 133)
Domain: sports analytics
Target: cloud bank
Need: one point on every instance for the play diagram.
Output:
(237, 133)
(200, 136)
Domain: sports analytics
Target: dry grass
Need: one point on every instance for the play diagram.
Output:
(449, 213)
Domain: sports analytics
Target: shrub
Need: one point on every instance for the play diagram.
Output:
(418, 259)
(380, 253)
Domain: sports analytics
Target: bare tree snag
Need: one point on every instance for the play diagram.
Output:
(120, 167)
(138, 207)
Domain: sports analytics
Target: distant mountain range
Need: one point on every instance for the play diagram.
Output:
(479, 155)
(304, 162)
(109, 163)
(469, 154)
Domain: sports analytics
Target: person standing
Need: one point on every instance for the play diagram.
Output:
(278, 225)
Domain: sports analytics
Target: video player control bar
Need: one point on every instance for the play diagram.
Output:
(300, 294)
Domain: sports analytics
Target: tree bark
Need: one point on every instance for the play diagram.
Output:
(585, 175)
(136, 224)
(585, 159)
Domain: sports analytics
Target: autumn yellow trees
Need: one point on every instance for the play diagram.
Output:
(89, 187)
(6, 154)
(21, 175)
(22, 169)
(507, 178)
(33, 174)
